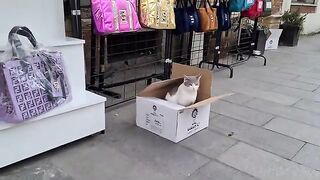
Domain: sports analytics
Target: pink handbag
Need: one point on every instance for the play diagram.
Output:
(114, 16)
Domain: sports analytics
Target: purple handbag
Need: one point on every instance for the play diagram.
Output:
(31, 85)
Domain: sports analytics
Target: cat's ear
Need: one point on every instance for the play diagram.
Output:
(186, 77)
(198, 77)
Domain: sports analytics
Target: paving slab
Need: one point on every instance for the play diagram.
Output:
(267, 95)
(138, 155)
(308, 80)
(248, 71)
(244, 93)
(295, 129)
(289, 83)
(230, 84)
(126, 150)
(303, 72)
(219, 171)
(238, 98)
(209, 143)
(309, 105)
(259, 137)
(294, 92)
(242, 113)
(309, 156)
(288, 112)
(264, 165)
(213, 115)
(102, 162)
(35, 171)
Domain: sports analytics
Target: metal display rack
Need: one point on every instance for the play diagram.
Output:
(238, 52)
(121, 65)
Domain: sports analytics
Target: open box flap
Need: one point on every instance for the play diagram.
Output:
(159, 89)
(207, 101)
(204, 92)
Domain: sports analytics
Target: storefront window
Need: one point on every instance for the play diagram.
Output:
(304, 1)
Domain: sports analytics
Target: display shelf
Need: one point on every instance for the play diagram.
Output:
(78, 101)
(57, 128)
(83, 116)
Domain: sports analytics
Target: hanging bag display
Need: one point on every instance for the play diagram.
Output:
(114, 16)
(255, 11)
(223, 15)
(187, 19)
(31, 83)
(157, 14)
(267, 8)
(239, 5)
(207, 16)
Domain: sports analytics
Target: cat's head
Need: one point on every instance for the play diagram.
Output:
(192, 83)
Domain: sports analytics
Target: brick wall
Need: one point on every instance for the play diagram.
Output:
(276, 6)
(303, 9)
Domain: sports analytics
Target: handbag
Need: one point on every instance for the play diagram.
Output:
(187, 18)
(240, 5)
(157, 14)
(31, 84)
(255, 11)
(223, 15)
(207, 16)
(114, 16)
(267, 8)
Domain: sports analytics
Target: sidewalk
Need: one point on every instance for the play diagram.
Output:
(269, 129)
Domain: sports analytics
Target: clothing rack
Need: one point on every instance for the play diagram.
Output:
(243, 50)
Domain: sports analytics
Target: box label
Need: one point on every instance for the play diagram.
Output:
(155, 121)
(195, 125)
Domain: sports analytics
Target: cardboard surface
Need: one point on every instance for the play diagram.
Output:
(170, 120)
(159, 89)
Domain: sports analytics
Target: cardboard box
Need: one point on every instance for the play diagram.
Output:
(169, 120)
(273, 40)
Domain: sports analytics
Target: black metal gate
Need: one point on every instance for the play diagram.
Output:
(118, 66)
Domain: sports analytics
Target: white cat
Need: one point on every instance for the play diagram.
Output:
(186, 93)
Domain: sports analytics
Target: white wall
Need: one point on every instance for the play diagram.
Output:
(47, 18)
(312, 24)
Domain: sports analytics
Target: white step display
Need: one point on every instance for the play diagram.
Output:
(84, 115)
(69, 122)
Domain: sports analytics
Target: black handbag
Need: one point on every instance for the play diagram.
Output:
(187, 18)
(224, 15)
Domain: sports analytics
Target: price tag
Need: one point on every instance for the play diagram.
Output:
(268, 5)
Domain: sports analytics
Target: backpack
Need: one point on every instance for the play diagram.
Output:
(240, 5)
(208, 16)
(255, 11)
(224, 16)
(187, 18)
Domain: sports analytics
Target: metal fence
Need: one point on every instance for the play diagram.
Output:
(118, 66)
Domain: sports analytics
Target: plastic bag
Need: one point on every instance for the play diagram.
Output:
(33, 81)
